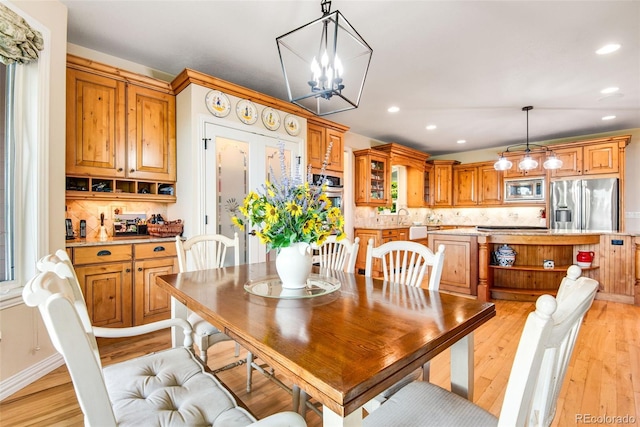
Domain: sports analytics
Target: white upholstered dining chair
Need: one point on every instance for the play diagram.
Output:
(537, 373)
(201, 253)
(406, 262)
(337, 254)
(169, 387)
(204, 252)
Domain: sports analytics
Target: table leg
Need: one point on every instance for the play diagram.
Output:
(331, 419)
(462, 367)
(178, 311)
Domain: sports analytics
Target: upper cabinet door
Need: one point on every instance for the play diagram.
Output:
(588, 160)
(601, 158)
(489, 185)
(318, 140)
(151, 141)
(96, 124)
(465, 186)
(336, 157)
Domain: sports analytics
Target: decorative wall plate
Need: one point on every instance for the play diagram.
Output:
(270, 118)
(291, 125)
(247, 112)
(217, 103)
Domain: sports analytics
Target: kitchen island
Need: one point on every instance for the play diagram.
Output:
(474, 271)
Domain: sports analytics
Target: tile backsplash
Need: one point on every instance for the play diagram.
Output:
(511, 216)
(90, 210)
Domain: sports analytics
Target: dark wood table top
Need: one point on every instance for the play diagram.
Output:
(342, 348)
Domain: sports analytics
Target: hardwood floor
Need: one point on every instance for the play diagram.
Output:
(603, 377)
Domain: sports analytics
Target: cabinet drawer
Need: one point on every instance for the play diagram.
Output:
(389, 233)
(155, 250)
(106, 253)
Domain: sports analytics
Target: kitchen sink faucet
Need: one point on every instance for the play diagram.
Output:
(406, 211)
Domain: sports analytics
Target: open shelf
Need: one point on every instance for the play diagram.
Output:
(94, 188)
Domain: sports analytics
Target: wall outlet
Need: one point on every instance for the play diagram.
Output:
(115, 211)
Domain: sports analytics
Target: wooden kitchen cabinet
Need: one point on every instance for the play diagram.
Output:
(465, 185)
(490, 185)
(151, 139)
(152, 260)
(417, 183)
(442, 192)
(588, 160)
(96, 125)
(105, 277)
(120, 129)
(372, 178)
(379, 237)
(118, 281)
(319, 138)
(460, 270)
(419, 186)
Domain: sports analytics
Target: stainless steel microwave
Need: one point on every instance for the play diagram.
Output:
(524, 190)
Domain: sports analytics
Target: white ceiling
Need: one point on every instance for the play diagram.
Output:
(467, 66)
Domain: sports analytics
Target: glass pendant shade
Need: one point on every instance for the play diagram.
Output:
(527, 163)
(552, 162)
(325, 63)
(502, 164)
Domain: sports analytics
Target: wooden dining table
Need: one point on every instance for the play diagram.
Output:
(342, 348)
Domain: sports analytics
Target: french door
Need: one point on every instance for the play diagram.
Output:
(236, 162)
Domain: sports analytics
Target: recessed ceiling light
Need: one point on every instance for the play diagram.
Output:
(608, 117)
(609, 90)
(393, 109)
(431, 127)
(608, 49)
(461, 141)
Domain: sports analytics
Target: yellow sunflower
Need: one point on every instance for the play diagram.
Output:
(238, 222)
(271, 213)
(294, 209)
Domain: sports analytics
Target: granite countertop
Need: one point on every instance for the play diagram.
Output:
(394, 226)
(473, 231)
(117, 241)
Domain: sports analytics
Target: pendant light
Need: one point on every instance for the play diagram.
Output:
(325, 63)
(528, 163)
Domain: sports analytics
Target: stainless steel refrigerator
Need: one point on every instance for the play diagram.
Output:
(585, 204)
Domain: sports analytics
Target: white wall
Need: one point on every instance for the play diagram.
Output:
(25, 350)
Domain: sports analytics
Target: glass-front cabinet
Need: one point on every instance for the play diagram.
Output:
(372, 178)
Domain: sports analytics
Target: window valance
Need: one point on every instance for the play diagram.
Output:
(18, 41)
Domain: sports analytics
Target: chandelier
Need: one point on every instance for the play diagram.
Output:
(325, 63)
(528, 163)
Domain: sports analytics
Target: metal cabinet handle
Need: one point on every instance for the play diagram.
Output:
(128, 270)
(120, 169)
(132, 170)
(104, 253)
(139, 268)
(159, 249)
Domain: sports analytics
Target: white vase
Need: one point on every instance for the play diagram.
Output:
(293, 265)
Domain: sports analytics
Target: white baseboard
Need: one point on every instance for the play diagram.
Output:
(22, 379)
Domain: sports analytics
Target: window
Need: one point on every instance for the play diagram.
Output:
(7, 166)
(25, 212)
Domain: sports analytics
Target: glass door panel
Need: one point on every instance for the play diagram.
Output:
(237, 162)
